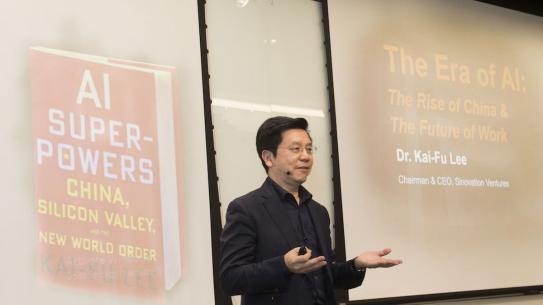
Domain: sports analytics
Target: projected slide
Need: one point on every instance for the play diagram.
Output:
(439, 116)
(107, 198)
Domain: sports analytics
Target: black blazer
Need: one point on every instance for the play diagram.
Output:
(256, 236)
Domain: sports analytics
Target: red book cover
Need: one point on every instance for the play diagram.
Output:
(107, 191)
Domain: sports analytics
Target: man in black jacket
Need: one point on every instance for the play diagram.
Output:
(276, 245)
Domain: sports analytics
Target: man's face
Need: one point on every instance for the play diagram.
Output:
(294, 158)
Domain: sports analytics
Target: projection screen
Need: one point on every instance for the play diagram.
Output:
(440, 135)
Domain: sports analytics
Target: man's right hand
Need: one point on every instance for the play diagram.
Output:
(303, 263)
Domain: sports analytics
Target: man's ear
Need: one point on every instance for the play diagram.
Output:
(268, 158)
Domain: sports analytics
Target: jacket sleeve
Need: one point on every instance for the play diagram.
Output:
(343, 273)
(345, 277)
(240, 271)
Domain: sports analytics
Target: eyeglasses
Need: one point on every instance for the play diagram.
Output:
(298, 149)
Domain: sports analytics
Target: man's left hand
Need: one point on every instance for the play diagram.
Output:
(375, 259)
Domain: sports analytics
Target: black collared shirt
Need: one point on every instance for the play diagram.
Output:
(300, 217)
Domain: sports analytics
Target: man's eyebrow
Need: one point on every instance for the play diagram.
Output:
(300, 143)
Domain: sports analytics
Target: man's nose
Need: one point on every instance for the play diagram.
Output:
(305, 155)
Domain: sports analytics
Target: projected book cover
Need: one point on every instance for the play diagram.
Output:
(107, 191)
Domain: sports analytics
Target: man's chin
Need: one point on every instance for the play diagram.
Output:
(301, 179)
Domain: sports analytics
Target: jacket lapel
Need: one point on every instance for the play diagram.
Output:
(322, 238)
(279, 216)
(320, 229)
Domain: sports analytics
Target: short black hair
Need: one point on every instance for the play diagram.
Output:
(269, 134)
